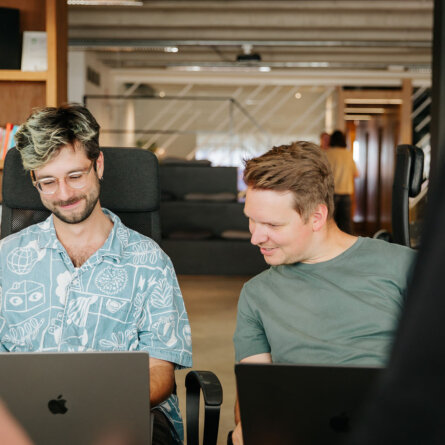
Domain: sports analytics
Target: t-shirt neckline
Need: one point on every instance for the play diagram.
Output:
(337, 258)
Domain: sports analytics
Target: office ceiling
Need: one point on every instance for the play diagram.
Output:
(376, 35)
(280, 60)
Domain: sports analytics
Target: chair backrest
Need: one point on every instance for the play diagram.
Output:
(130, 188)
(407, 184)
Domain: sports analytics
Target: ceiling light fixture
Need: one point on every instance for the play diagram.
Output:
(105, 2)
(298, 95)
(366, 110)
(171, 49)
(234, 68)
(248, 55)
(357, 117)
(373, 101)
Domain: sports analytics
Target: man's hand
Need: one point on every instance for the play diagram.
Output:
(10, 431)
(237, 435)
(162, 380)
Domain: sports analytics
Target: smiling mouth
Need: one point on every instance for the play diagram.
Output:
(267, 250)
(69, 204)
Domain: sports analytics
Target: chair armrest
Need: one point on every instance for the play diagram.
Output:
(209, 384)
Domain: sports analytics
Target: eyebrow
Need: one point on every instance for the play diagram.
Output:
(274, 223)
(54, 177)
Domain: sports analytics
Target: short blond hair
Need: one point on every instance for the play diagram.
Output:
(301, 168)
(48, 129)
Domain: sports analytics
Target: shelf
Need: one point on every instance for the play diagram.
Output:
(17, 75)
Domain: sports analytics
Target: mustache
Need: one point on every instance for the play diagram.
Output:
(69, 201)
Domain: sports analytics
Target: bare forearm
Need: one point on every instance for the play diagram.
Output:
(237, 413)
(162, 380)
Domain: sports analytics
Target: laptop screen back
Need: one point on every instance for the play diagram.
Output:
(299, 404)
(78, 398)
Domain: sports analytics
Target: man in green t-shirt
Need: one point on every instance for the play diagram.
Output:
(328, 297)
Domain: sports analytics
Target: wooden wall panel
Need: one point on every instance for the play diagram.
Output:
(18, 100)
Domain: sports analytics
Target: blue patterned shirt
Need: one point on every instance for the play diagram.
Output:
(124, 298)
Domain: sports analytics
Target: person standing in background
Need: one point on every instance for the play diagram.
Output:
(324, 140)
(344, 170)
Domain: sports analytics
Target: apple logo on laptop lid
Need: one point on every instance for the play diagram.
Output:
(57, 406)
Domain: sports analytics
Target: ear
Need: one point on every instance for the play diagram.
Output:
(319, 217)
(100, 165)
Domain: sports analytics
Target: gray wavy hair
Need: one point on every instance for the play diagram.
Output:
(49, 129)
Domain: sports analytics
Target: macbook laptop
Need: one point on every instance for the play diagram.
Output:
(299, 404)
(78, 398)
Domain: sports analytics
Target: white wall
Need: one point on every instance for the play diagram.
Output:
(79, 86)
(76, 76)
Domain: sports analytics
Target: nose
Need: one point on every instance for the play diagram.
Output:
(64, 191)
(259, 233)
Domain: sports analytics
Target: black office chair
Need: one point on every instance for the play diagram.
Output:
(408, 178)
(131, 189)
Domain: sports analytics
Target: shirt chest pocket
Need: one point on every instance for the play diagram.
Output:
(100, 311)
(98, 322)
(116, 325)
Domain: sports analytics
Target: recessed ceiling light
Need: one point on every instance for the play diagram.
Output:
(297, 95)
(161, 93)
(171, 49)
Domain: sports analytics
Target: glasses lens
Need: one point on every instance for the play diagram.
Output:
(76, 180)
(48, 186)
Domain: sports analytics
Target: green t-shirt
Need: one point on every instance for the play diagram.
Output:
(341, 311)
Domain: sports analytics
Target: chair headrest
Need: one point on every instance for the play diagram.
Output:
(130, 183)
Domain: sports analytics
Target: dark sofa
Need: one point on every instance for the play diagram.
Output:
(204, 230)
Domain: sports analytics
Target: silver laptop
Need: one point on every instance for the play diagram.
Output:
(78, 398)
(298, 404)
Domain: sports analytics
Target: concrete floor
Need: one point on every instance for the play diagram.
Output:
(211, 303)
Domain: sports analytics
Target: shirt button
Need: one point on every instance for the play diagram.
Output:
(69, 321)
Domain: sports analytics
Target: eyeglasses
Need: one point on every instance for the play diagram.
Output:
(75, 180)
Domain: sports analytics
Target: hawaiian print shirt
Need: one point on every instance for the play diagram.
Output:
(124, 298)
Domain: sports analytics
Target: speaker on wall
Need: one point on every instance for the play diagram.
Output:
(10, 39)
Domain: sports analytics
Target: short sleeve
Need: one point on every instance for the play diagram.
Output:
(163, 328)
(250, 338)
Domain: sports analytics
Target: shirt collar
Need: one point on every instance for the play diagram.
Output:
(113, 246)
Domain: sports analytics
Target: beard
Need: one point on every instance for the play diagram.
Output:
(79, 215)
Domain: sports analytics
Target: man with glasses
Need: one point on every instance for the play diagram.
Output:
(73, 282)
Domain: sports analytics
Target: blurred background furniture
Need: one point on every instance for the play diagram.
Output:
(204, 229)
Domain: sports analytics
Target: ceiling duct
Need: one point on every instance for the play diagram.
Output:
(143, 89)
